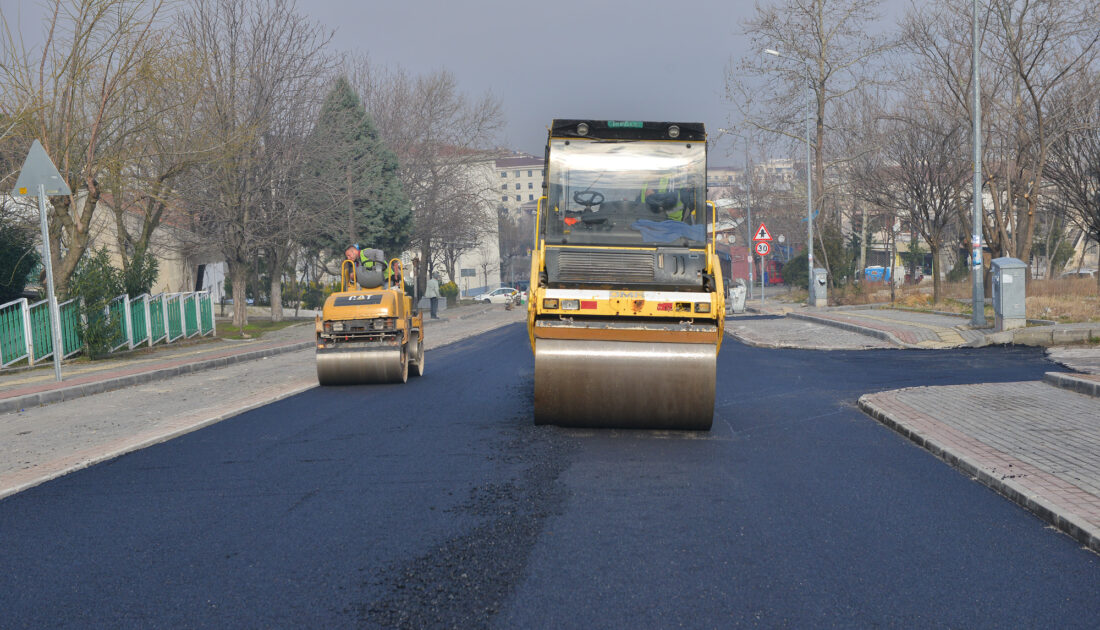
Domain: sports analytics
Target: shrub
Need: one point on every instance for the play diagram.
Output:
(96, 282)
(140, 276)
(18, 258)
(449, 291)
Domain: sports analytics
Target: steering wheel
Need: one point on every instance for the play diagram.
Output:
(659, 202)
(588, 198)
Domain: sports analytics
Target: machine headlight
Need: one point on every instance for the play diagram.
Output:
(673, 131)
(582, 129)
(550, 302)
(570, 305)
(338, 327)
(702, 307)
(328, 326)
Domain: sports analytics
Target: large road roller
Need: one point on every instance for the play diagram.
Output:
(625, 313)
(369, 331)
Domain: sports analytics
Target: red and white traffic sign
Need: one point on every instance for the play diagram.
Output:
(762, 234)
(763, 248)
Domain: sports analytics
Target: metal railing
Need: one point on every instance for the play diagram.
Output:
(145, 319)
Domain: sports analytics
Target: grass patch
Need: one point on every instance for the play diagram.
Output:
(254, 329)
(1064, 300)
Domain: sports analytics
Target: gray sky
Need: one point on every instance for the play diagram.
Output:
(614, 59)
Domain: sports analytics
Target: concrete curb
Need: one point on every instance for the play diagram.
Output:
(870, 332)
(17, 403)
(1053, 336)
(1073, 383)
(1075, 526)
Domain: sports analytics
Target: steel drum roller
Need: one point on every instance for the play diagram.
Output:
(347, 366)
(624, 384)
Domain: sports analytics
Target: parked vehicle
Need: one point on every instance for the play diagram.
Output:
(502, 295)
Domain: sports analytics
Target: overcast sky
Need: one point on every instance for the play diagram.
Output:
(604, 59)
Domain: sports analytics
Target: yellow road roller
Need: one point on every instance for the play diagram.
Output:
(369, 331)
(625, 314)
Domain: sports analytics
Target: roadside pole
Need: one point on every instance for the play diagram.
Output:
(47, 262)
(761, 245)
(39, 173)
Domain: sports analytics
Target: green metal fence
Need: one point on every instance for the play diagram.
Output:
(71, 327)
(190, 315)
(162, 318)
(118, 311)
(175, 316)
(139, 320)
(15, 337)
(157, 329)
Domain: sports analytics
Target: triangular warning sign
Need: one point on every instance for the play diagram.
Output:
(762, 234)
(38, 170)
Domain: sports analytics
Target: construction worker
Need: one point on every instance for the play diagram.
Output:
(662, 186)
(365, 263)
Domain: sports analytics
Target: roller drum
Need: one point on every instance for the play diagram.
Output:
(624, 384)
(356, 366)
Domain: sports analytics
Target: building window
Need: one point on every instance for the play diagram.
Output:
(529, 173)
(504, 186)
(530, 185)
(504, 198)
(517, 173)
(518, 198)
(517, 185)
(530, 197)
(504, 173)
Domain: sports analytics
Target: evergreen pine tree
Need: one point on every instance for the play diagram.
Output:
(352, 180)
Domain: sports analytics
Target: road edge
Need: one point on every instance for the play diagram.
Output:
(1070, 524)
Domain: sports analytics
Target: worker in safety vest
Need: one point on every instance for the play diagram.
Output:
(676, 212)
(365, 263)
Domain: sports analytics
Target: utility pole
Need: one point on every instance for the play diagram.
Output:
(977, 290)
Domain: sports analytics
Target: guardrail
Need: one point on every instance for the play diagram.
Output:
(145, 319)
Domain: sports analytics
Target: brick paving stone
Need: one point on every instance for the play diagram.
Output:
(1037, 444)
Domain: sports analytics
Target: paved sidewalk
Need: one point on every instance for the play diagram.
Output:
(25, 388)
(918, 329)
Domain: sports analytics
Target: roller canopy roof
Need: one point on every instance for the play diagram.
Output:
(627, 130)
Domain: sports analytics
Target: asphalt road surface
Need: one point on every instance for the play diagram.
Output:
(438, 504)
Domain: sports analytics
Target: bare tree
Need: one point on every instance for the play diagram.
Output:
(924, 175)
(1028, 49)
(1042, 44)
(1074, 161)
(442, 140)
(259, 57)
(829, 50)
(74, 94)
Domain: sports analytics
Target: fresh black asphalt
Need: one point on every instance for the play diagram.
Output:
(438, 504)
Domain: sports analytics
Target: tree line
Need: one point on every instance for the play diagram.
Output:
(890, 117)
(236, 121)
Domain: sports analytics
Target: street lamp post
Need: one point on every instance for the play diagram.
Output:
(809, 194)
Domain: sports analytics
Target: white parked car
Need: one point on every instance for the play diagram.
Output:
(497, 296)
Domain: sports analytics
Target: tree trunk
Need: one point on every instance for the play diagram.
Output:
(935, 248)
(862, 241)
(238, 276)
(275, 278)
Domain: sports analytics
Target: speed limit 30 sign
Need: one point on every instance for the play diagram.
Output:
(762, 248)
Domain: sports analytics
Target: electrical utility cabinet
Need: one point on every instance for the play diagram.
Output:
(819, 288)
(1009, 292)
